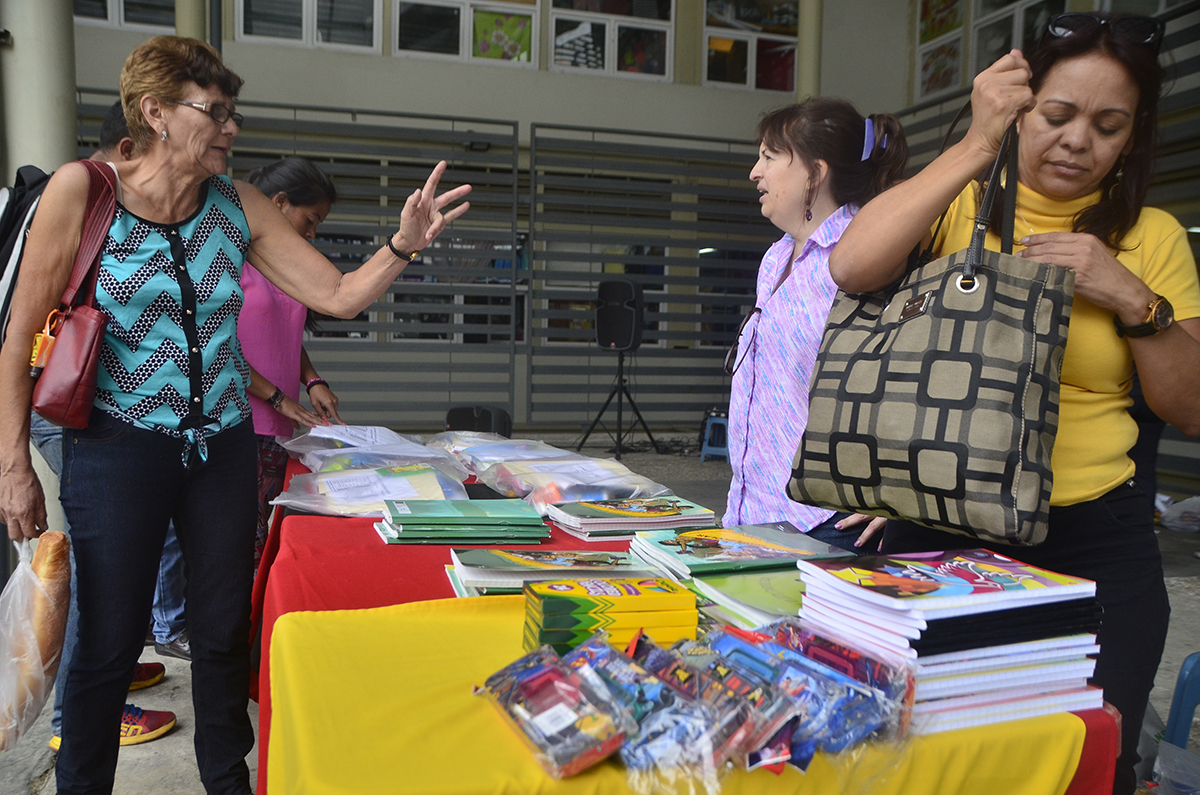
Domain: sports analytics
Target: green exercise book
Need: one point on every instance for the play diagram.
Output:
(721, 549)
(464, 512)
(600, 517)
(511, 568)
(758, 596)
(461, 534)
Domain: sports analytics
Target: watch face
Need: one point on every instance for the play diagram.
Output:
(1164, 314)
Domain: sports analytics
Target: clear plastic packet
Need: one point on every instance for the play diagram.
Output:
(566, 714)
(571, 478)
(732, 717)
(335, 437)
(382, 457)
(33, 616)
(454, 442)
(361, 492)
(674, 741)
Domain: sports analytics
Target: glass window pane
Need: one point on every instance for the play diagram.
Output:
(1037, 17)
(507, 37)
(92, 9)
(941, 67)
(346, 22)
(282, 19)
(992, 41)
(641, 50)
(939, 17)
(151, 12)
(427, 28)
(578, 43)
(988, 6)
(728, 60)
(765, 16)
(776, 65)
(1138, 8)
(646, 9)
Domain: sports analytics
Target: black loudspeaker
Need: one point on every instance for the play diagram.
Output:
(619, 315)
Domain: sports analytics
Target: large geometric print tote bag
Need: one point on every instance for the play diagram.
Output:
(936, 400)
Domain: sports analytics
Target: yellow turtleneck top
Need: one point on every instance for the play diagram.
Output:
(1095, 432)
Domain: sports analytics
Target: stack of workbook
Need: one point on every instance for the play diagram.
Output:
(992, 639)
(507, 570)
(460, 522)
(620, 519)
(565, 613)
(726, 549)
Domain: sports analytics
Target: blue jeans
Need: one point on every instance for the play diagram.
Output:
(844, 539)
(168, 594)
(121, 487)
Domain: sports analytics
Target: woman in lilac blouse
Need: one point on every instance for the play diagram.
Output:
(271, 332)
(818, 162)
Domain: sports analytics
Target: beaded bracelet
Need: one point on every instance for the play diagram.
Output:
(309, 384)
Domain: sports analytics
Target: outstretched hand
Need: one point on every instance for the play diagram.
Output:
(1000, 93)
(422, 218)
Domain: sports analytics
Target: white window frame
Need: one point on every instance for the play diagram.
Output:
(466, 31)
(1017, 13)
(752, 38)
(308, 31)
(962, 32)
(612, 22)
(116, 19)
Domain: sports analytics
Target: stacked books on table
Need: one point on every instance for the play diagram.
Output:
(460, 522)
(993, 639)
(507, 570)
(725, 549)
(620, 519)
(565, 613)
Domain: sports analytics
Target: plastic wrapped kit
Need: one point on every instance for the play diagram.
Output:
(572, 478)
(567, 716)
(361, 492)
(336, 437)
(382, 457)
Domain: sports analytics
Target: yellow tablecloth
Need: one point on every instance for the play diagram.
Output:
(379, 701)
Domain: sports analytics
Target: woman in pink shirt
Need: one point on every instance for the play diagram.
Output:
(818, 162)
(271, 332)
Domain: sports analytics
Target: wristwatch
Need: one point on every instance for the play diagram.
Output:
(1159, 317)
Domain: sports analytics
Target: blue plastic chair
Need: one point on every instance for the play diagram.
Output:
(1184, 702)
(716, 438)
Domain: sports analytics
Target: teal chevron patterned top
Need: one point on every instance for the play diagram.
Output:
(171, 361)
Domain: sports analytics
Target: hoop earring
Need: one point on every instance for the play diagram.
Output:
(163, 135)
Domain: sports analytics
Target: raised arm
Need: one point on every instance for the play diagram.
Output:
(873, 250)
(294, 266)
(45, 270)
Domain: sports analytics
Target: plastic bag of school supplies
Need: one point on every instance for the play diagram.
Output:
(478, 450)
(566, 715)
(33, 617)
(402, 453)
(361, 492)
(336, 437)
(673, 745)
(572, 478)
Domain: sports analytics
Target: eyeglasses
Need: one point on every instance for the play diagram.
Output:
(1135, 30)
(732, 360)
(216, 111)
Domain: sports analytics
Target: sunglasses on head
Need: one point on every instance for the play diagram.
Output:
(1135, 30)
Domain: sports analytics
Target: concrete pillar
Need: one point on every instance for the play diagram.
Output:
(37, 77)
(808, 51)
(191, 19)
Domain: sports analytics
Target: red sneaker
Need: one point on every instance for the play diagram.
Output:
(147, 675)
(143, 725)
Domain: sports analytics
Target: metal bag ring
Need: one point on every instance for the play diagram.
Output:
(972, 287)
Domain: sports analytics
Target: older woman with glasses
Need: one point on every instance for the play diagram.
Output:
(170, 436)
(1085, 103)
(818, 162)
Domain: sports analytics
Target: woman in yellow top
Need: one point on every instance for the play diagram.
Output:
(1086, 107)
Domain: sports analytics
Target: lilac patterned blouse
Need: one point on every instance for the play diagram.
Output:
(768, 407)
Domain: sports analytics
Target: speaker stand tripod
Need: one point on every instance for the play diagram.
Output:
(619, 389)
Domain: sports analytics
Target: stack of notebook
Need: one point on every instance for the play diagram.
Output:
(460, 522)
(565, 613)
(726, 549)
(992, 639)
(507, 570)
(620, 519)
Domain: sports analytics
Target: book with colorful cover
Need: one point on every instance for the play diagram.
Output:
(607, 595)
(764, 595)
(460, 512)
(460, 590)
(626, 516)
(721, 549)
(941, 584)
(511, 568)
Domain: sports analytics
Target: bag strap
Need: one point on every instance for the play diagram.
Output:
(1006, 157)
(925, 257)
(101, 205)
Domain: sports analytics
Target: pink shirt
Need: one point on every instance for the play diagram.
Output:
(271, 331)
(768, 405)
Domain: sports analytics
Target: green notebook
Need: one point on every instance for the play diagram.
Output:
(461, 534)
(721, 549)
(469, 512)
(511, 568)
(762, 596)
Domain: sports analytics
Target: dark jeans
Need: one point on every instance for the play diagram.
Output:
(121, 486)
(1110, 540)
(844, 539)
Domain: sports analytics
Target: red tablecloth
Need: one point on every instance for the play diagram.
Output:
(325, 563)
